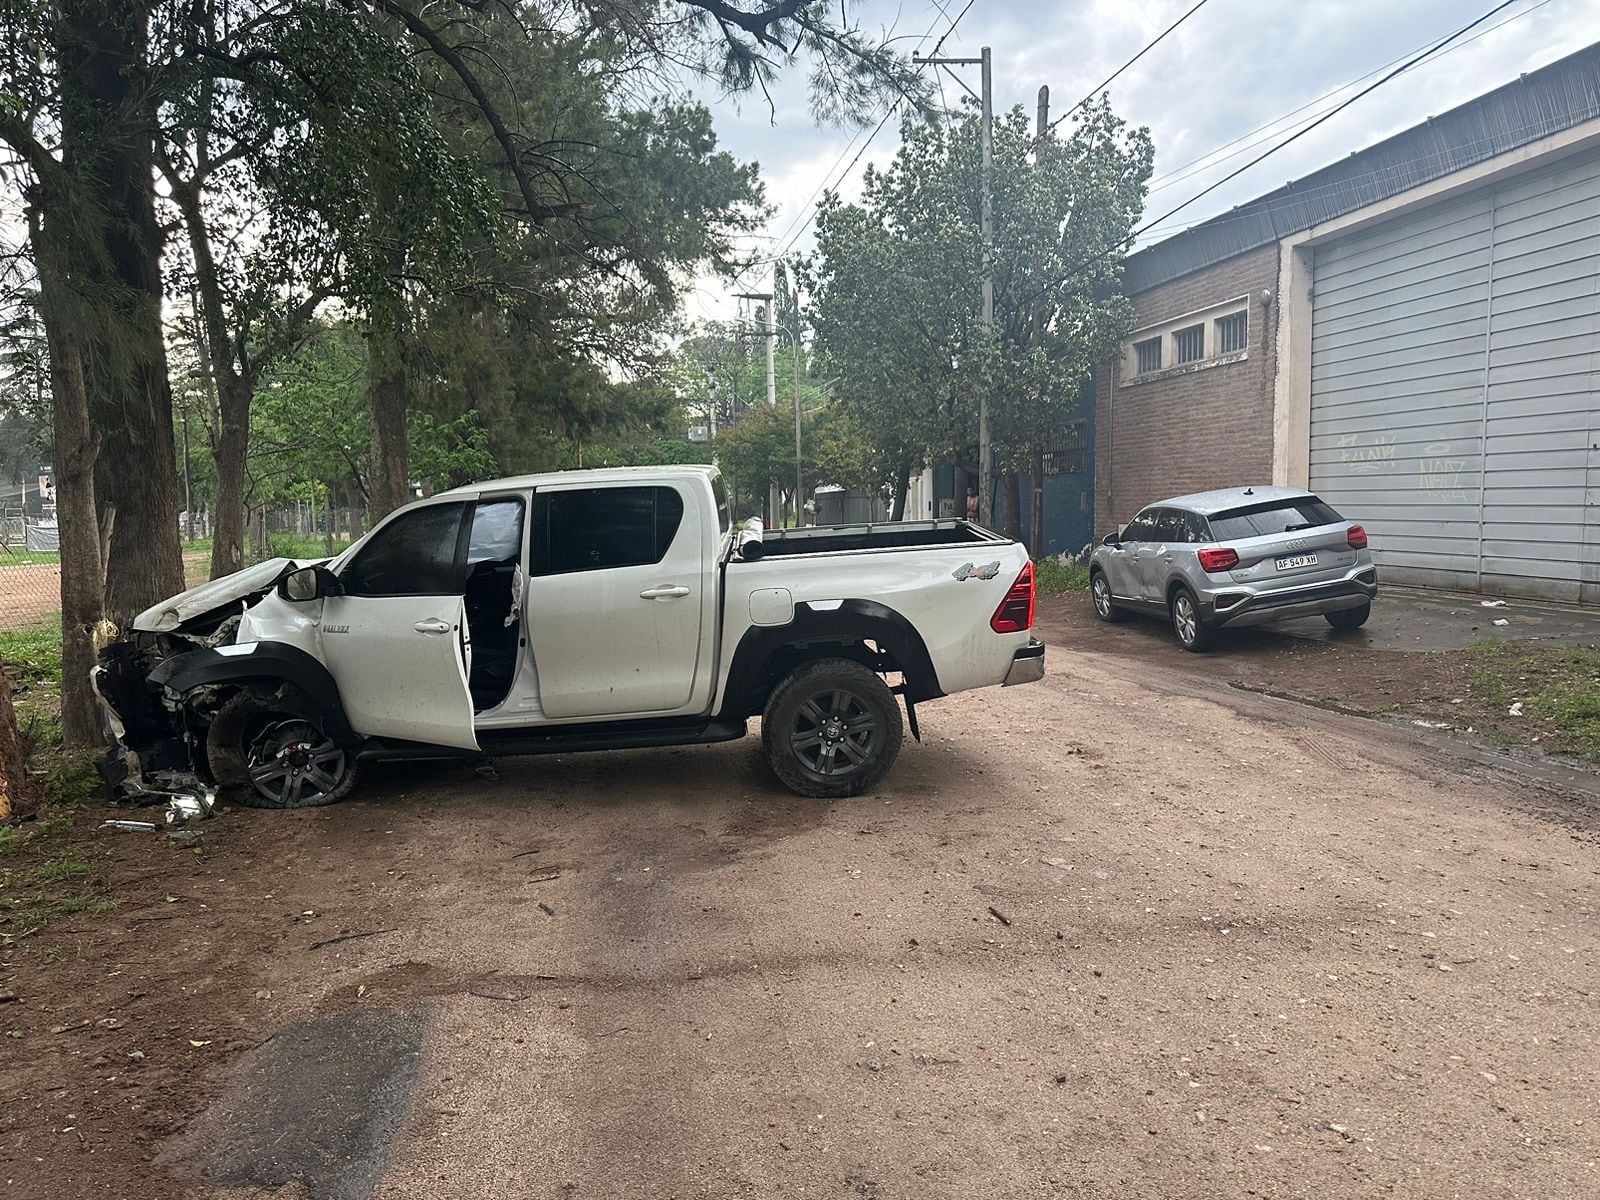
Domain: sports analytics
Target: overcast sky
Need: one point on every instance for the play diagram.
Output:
(1234, 66)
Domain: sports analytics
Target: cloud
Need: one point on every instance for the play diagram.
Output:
(1233, 66)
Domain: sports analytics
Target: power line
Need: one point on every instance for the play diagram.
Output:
(1108, 79)
(1299, 133)
(1169, 178)
(1327, 116)
(809, 211)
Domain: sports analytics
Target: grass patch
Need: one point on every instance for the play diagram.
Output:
(17, 556)
(32, 657)
(302, 546)
(1054, 576)
(1558, 688)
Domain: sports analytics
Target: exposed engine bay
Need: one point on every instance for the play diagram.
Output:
(156, 722)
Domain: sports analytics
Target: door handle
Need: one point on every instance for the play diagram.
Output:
(432, 625)
(665, 592)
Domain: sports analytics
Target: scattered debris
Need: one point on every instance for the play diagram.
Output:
(999, 916)
(545, 875)
(349, 937)
(1492, 603)
(548, 911)
(1501, 621)
(1515, 710)
(131, 826)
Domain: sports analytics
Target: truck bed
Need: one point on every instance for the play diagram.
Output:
(889, 535)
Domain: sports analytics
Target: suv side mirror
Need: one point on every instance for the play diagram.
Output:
(1112, 539)
(308, 583)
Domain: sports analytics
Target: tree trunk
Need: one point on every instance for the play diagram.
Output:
(16, 789)
(76, 448)
(389, 473)
(1036, 500)
(232, 451)
(1011, 505)
(107, 139)
(902, 488)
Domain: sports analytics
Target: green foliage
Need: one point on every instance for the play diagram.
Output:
(1055, 575)
(1559, 688)
(897, 282)
(32, 658)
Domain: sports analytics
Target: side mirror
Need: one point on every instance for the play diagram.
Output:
(1112, 540)
(308, 583)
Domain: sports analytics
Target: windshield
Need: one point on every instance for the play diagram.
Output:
(1271, 517)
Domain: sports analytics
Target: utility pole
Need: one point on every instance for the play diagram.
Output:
(799, 477)
(772, 378)
(1036, 457)
(986, 228)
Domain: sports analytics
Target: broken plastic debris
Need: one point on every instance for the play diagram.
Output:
(131, 826)
(1492, 603)
(1501, 621)
(1515, 710)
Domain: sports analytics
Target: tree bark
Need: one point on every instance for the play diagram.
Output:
(902, 486)
(107, 140)
(16, 789)
(1036, 500)
(1011, 505)
(76, 449)
(389, 473)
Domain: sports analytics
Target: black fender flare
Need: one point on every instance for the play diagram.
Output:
(853, 620)
(249, 663)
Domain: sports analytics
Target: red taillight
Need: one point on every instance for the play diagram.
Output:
(1222, 559)
(1015, 614)
(1358, 538)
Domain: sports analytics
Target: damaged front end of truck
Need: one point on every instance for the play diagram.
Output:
(160, 690)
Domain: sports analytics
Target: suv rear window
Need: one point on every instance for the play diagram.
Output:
(1273, 516)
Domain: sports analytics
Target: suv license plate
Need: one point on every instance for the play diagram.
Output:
(1291, 561)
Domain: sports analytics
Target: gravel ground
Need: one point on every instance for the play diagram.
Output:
(1128, 932)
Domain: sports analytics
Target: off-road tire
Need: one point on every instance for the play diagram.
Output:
(797, 738)
(1190, 627)
(240, 725)
(1347, 619)
(1100, 597)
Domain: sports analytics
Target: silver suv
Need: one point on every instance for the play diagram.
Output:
(1239, 556)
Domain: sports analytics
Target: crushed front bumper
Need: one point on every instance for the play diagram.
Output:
(1027, 664)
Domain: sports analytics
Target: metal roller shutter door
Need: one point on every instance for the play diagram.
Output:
(1454, 387)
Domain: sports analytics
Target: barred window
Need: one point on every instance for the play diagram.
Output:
(1067, 452)
(1233, 332)
(1189, 345)
(1149, 353)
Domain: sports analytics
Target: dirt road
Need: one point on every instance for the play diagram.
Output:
(1123, 933)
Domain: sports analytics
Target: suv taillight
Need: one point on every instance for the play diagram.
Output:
(1015, 614)
(1222, 559)
(1358, 538)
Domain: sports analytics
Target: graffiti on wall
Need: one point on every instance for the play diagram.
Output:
(1374, 457)
(1441, 473)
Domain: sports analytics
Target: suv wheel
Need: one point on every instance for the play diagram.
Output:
(831, 729)
(269, 758)
(1100, 591)
(1350, 618)
(1193, 633)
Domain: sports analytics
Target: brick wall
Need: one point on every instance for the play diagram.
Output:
(1198, 428)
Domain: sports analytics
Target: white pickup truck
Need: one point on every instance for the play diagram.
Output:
(584, 610)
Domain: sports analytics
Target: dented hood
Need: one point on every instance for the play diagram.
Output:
(207, 598)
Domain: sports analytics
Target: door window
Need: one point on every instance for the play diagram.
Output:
(413, 555)
(1142, 528)
(1180, 527)
(593, 529)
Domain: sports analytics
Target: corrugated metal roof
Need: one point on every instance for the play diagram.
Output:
(1546, 101)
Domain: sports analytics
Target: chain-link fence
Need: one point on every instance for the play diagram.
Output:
(30, 558)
